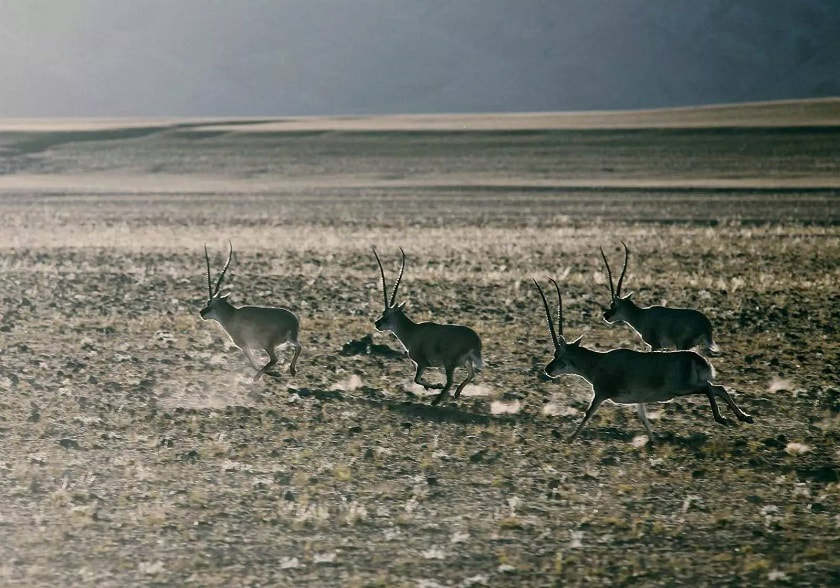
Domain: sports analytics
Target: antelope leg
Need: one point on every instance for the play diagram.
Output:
(590, 412)
(250, 357)
(640, 410)
(450, 372)
(470, 376)
(721, 391)
(272, 360)
(715, 410)
(418, 378)
(292, 369)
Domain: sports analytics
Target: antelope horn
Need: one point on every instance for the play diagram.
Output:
(209, 285)
(399, 278)
(624, 269)
(609, 273)
(548, 316)
(224, 269)
(559, 307)
(382, 272)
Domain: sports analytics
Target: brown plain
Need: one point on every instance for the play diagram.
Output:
(136, 449)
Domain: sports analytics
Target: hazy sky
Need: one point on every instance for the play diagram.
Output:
(298, 57)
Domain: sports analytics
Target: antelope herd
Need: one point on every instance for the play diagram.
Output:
(623, 376)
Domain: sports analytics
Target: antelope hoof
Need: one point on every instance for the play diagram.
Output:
(746, 418)
(437, 399)
(273, 374)
(724, 421)
(292, 371)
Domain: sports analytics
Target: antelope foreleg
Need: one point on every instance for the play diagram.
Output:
(250, 357)
(272, 360)
(590, 412)
(450, 372)
(418, 379)
(640, 410)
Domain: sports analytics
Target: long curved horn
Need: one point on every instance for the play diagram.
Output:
(399, 278)
(209, 285)
(224, 269)
(548, 316)
(559, 307)
(609, 274)
(624, 269)
(382, 272)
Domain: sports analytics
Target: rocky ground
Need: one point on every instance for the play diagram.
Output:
(136, 450)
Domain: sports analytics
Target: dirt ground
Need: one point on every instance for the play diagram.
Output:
(136, 450)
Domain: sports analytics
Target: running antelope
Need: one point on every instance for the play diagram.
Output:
(625, 376)
(252, 327)
(430, 344)
(659, 326)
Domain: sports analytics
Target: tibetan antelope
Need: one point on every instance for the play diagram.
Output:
(659, 326)
(430, 344)
(626, 376)
(252, 327)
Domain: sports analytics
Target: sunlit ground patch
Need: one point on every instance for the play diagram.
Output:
(480, 390)
(505, 407)
(557, 409)
(797, 448)
(780, 385)
(350, 383)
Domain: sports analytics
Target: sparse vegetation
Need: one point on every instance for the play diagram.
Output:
(137, 450)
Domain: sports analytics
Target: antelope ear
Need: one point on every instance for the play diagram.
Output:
(402, 304)
(225, 296)
(576, 342)
(627, 296)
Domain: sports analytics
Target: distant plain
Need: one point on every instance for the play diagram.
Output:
(136, 449)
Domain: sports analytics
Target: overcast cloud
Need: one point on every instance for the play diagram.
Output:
(302, 57)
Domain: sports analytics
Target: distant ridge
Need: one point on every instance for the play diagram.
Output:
(816, 112)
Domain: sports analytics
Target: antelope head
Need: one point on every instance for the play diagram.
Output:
(619, 304)
(214, 300)
(387, 321)
(564, 352)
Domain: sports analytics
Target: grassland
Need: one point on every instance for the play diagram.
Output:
(137, 451)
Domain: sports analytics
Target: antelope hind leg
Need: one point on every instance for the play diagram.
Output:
(292, 369)
(716, 411)
(721, 391)
(470, 376)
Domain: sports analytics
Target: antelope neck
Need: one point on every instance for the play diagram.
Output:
(224, 309)
(403, 327)
(633, 312)
(585, 360)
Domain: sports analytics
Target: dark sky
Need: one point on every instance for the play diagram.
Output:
(302, 57)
